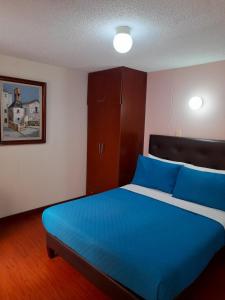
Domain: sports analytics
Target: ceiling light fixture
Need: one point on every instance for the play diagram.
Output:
(196, 103)
(122, 41)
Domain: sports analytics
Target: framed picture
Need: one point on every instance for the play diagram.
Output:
(23, 111)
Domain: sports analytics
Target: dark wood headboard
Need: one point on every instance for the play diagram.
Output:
(199, 152)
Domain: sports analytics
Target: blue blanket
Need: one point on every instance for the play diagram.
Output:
(153, 248)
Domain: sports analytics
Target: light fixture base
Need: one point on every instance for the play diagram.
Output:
(123, 29)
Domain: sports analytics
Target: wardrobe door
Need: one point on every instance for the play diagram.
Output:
(111, 132)
(104, 91)
(95, 141)
(111, 146)
(132, 121)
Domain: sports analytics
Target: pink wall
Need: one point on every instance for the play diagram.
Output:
(168, 93)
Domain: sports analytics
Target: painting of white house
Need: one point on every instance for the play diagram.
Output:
(21, 107)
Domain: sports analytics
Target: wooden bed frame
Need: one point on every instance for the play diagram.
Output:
(204, 153)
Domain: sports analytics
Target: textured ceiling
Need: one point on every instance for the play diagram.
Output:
(79, 33)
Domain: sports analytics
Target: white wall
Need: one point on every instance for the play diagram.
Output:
(32, 176)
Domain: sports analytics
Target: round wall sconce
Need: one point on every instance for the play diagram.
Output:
(195, 103)
(122, 41)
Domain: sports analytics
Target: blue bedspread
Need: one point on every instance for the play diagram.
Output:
(153, 248)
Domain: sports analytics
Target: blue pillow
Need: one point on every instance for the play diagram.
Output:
(201, 187)
(156, 174)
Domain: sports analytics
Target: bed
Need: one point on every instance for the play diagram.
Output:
(136, 242)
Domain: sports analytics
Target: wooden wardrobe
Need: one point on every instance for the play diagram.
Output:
(116, 117)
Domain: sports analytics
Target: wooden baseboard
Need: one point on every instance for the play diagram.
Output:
(36, 210)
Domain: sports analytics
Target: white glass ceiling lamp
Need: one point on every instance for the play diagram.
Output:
(122, 41)
(195, 103)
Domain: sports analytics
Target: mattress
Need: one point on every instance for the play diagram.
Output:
(152, 247)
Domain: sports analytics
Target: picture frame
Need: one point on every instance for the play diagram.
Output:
(22, 111)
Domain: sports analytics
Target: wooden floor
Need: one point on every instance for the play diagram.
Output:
(27, 273)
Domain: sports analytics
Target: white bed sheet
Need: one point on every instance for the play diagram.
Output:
(214, 214)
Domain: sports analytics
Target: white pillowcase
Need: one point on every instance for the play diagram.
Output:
(205, 169)
(166, 160)
(190, 166)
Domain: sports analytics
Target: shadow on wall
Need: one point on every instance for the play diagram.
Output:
(6, 203)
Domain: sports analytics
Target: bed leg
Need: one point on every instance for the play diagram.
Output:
(51, 252)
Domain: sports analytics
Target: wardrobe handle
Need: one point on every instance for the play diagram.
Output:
(102, 148)
(99, 149)
(121, 99)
